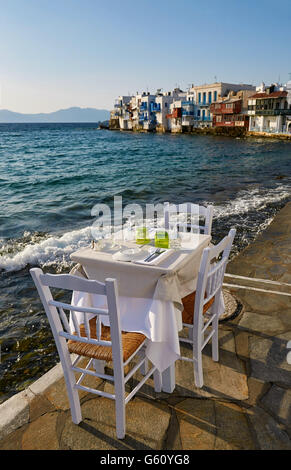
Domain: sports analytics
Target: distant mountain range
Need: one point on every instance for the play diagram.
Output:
(63, 115)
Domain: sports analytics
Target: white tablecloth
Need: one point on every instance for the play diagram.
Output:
(156, 310)
(158, 320)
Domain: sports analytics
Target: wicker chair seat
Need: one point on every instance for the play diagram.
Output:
(188, 303)
(130, 342)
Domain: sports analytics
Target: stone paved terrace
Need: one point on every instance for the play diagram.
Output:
(244, 404)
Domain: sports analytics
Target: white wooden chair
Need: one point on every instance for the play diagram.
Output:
(205, 213)
(207, 294)
(92, 340)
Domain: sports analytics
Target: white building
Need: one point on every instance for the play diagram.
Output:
(269, 109)
(141, 111)
(189, 111)
(175, 116)
(162, 109)
(121, 109)
(288, 117)
(147, 117)
(210, 93)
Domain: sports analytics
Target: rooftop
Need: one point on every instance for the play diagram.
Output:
(274, 94)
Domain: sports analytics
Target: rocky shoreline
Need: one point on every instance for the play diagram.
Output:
(235, 132)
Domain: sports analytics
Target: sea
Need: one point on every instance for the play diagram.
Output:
(51, 176)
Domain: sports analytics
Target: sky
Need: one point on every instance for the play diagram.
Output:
(55, 54)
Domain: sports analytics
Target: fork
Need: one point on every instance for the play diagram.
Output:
(156, 252)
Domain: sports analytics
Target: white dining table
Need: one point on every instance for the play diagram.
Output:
(150, 295)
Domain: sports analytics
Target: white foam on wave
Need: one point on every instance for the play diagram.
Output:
(250, 200)
(50, 251)
(56, 250)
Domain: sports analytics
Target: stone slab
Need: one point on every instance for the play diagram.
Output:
(146, 426)
(226, 378)
(278, 402)
(232, 429)
(196, 418)
(14, 413)
(45, 381)
(268, 434)
(41, 434)
(269, 325)
(268, 359)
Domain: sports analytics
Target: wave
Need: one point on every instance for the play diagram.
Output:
(256, 199)
(49, 251)
(45, 250)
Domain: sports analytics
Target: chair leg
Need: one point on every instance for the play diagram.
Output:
(198, 367)
(158, 380)
(99, 366)
(73, 397)
(120, 414)
(144, 367)
(215, 350)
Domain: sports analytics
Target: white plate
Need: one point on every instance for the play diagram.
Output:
(129, 254)
(157, 259)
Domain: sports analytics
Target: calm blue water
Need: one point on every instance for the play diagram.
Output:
(52, 175)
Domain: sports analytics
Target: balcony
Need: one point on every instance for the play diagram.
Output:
(226, 108)
(272, 112)
(177, 112)
(143, 107)
(187, 113)
(156, 107)
(187, 103)
(203, 118)
(187, 120)
(143, 118)
(204, 103)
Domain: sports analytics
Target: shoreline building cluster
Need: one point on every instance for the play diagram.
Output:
(257, 109)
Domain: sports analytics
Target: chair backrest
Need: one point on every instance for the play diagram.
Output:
(189, 209)
(57, 317)
(211, 273)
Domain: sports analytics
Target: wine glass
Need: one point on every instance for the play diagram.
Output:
(114, 243)
(98, 244)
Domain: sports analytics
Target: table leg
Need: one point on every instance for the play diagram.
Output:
(145, 367)
(168, 379)
(99, 366)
